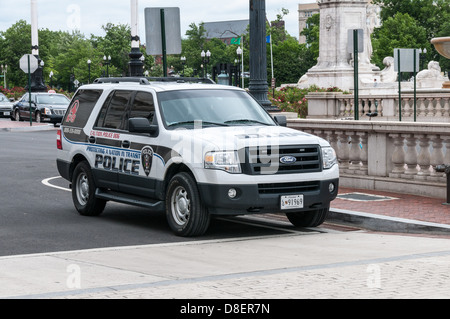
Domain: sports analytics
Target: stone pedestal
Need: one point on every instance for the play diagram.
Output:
(335, 64)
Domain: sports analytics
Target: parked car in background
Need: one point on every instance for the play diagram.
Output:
(6, 106)
(45, 107)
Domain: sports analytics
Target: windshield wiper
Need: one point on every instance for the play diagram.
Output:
(202, 123)
(246, 121)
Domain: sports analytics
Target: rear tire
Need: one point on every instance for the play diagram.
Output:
(186, 214)
(312, 218)
(83, 192)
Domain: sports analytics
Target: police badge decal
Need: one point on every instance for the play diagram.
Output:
(147, 159)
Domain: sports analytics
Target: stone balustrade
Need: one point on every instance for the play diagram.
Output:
(430, 106)
(386, 155)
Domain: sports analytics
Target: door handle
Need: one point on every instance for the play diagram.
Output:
(126, 144)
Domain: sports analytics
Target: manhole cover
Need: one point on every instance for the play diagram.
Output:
(361, 197)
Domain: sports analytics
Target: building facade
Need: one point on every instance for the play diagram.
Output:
(305, 11)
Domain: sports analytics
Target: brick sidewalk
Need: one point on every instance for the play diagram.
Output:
(402, 206)
(7, 124)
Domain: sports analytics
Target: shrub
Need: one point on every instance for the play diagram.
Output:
(293, 99)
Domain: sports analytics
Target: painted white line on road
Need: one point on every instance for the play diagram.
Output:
(46, 182)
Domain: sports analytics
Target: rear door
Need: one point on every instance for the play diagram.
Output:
(138, 174)
(106, 139)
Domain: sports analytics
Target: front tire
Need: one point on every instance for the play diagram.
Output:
(83, 192)
(312, 218)
(17, 116)
(186, 214)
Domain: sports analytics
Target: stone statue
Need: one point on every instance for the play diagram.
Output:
(388, 75)
(431, 77)
(372, 21)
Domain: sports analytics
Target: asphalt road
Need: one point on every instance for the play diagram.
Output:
(36, 218)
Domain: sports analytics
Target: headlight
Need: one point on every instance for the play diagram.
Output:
(47, 111)
(226, 161)
(329, 157)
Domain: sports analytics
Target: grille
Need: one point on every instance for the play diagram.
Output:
(267, 160)
(59, 112)
(286, 188)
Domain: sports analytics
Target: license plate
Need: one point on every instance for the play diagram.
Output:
(6, 113)
(291, 202)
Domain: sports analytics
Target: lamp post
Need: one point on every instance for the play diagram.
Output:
(258, 86)
(136, 64)
(4, 71)
(107, 61)
(37, 78)
(205, 58)
(89, 70)
(183, 62)
(51, 79)
(239, 54)
(423, 56)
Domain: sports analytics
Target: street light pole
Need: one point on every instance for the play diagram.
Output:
(89, 70)
(206, 58)
(51, 79)
(107, 62)
(423, 56)
(183, 62)
(239, 54)
(4, 71)
(136, 64)
(37, 78)
(258, 86)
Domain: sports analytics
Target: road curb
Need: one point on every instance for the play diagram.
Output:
(385, 223)
(28, 129)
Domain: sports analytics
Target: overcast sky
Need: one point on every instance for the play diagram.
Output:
(89, 16)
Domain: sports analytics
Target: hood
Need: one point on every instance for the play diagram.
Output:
(238, 137)
(54, 106)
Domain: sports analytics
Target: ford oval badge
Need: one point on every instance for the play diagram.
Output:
(288, 160)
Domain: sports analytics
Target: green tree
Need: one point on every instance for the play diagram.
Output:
(408, 34)
(193, 45)
(312, 34)
(290, 61)
(117, 44)
(430, 13)
(15, 42)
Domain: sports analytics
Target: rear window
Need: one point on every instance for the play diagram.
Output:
(81, 107)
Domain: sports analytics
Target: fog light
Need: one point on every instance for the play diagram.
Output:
(331, 187)
(232, 193)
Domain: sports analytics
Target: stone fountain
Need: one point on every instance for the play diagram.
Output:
(442, 45)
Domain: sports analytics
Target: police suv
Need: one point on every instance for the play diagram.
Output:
(192, 150)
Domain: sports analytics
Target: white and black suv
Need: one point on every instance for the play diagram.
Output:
(192, 150)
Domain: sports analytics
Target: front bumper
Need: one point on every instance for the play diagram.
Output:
(265, 198)
(52, 118)
(5, 111)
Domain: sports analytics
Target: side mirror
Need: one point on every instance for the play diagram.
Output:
(142, 125)
(281, 120)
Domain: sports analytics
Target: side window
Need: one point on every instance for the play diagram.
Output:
(116, 114)
(81, 107)
(143, 106)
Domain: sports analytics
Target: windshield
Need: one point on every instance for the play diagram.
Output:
(189, 108)
(3, 98)
(52, 99)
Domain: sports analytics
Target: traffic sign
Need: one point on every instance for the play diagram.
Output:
(24, 63)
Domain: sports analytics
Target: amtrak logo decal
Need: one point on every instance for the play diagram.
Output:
(288, 160)
(147, 159)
